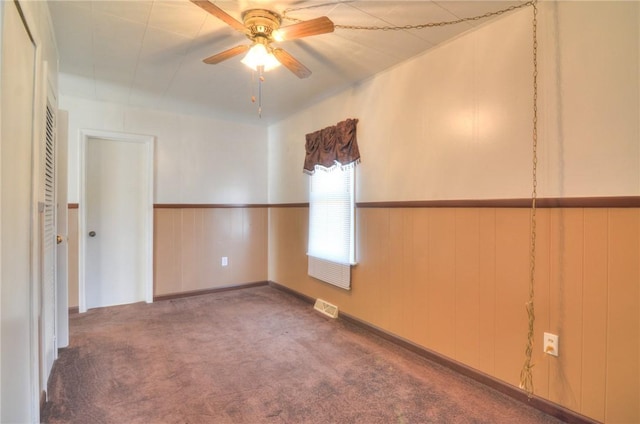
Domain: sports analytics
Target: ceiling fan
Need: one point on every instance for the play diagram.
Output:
(262, 27)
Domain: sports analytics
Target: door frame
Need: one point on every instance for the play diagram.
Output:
(148, 141)
(62, 227)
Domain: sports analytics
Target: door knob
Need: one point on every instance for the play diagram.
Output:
(59, 239)
(92, 233)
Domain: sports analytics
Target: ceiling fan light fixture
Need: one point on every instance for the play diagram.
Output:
(259, 56)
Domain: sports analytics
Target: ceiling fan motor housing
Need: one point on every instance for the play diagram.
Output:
(262, 27)
(261, 22)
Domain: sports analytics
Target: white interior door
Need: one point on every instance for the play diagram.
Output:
(117, 222)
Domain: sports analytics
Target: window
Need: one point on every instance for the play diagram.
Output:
(332, 225)
(331, 155)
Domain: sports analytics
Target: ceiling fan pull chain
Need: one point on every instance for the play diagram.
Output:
(260, 70)
(253, 93)
(260, 80)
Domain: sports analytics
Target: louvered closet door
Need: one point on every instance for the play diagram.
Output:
(48, 312)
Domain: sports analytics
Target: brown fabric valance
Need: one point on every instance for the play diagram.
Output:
(335, 146)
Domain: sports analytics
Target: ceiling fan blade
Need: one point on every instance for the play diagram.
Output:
(227, 54)
(321, 25)
(291, 63)
(220, 14)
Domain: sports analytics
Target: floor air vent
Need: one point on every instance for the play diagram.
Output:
(326, 308)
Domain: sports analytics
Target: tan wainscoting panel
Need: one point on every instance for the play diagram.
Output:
(467, 286)
(189, 244)
(623, 324)
(167, 251)
(455, 280)
(595, 305)
(511, 291)
(288, 255)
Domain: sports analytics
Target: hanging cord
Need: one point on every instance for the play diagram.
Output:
(405, 27)
(526, 376)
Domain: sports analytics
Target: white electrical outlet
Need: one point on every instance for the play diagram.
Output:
(550, 345)
(225, 261)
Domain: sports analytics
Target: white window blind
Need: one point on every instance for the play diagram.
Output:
(331, 225)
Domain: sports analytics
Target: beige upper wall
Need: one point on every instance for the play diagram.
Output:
(455, 122)
(198, 160)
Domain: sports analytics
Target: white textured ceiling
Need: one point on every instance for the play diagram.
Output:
(149, 53)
